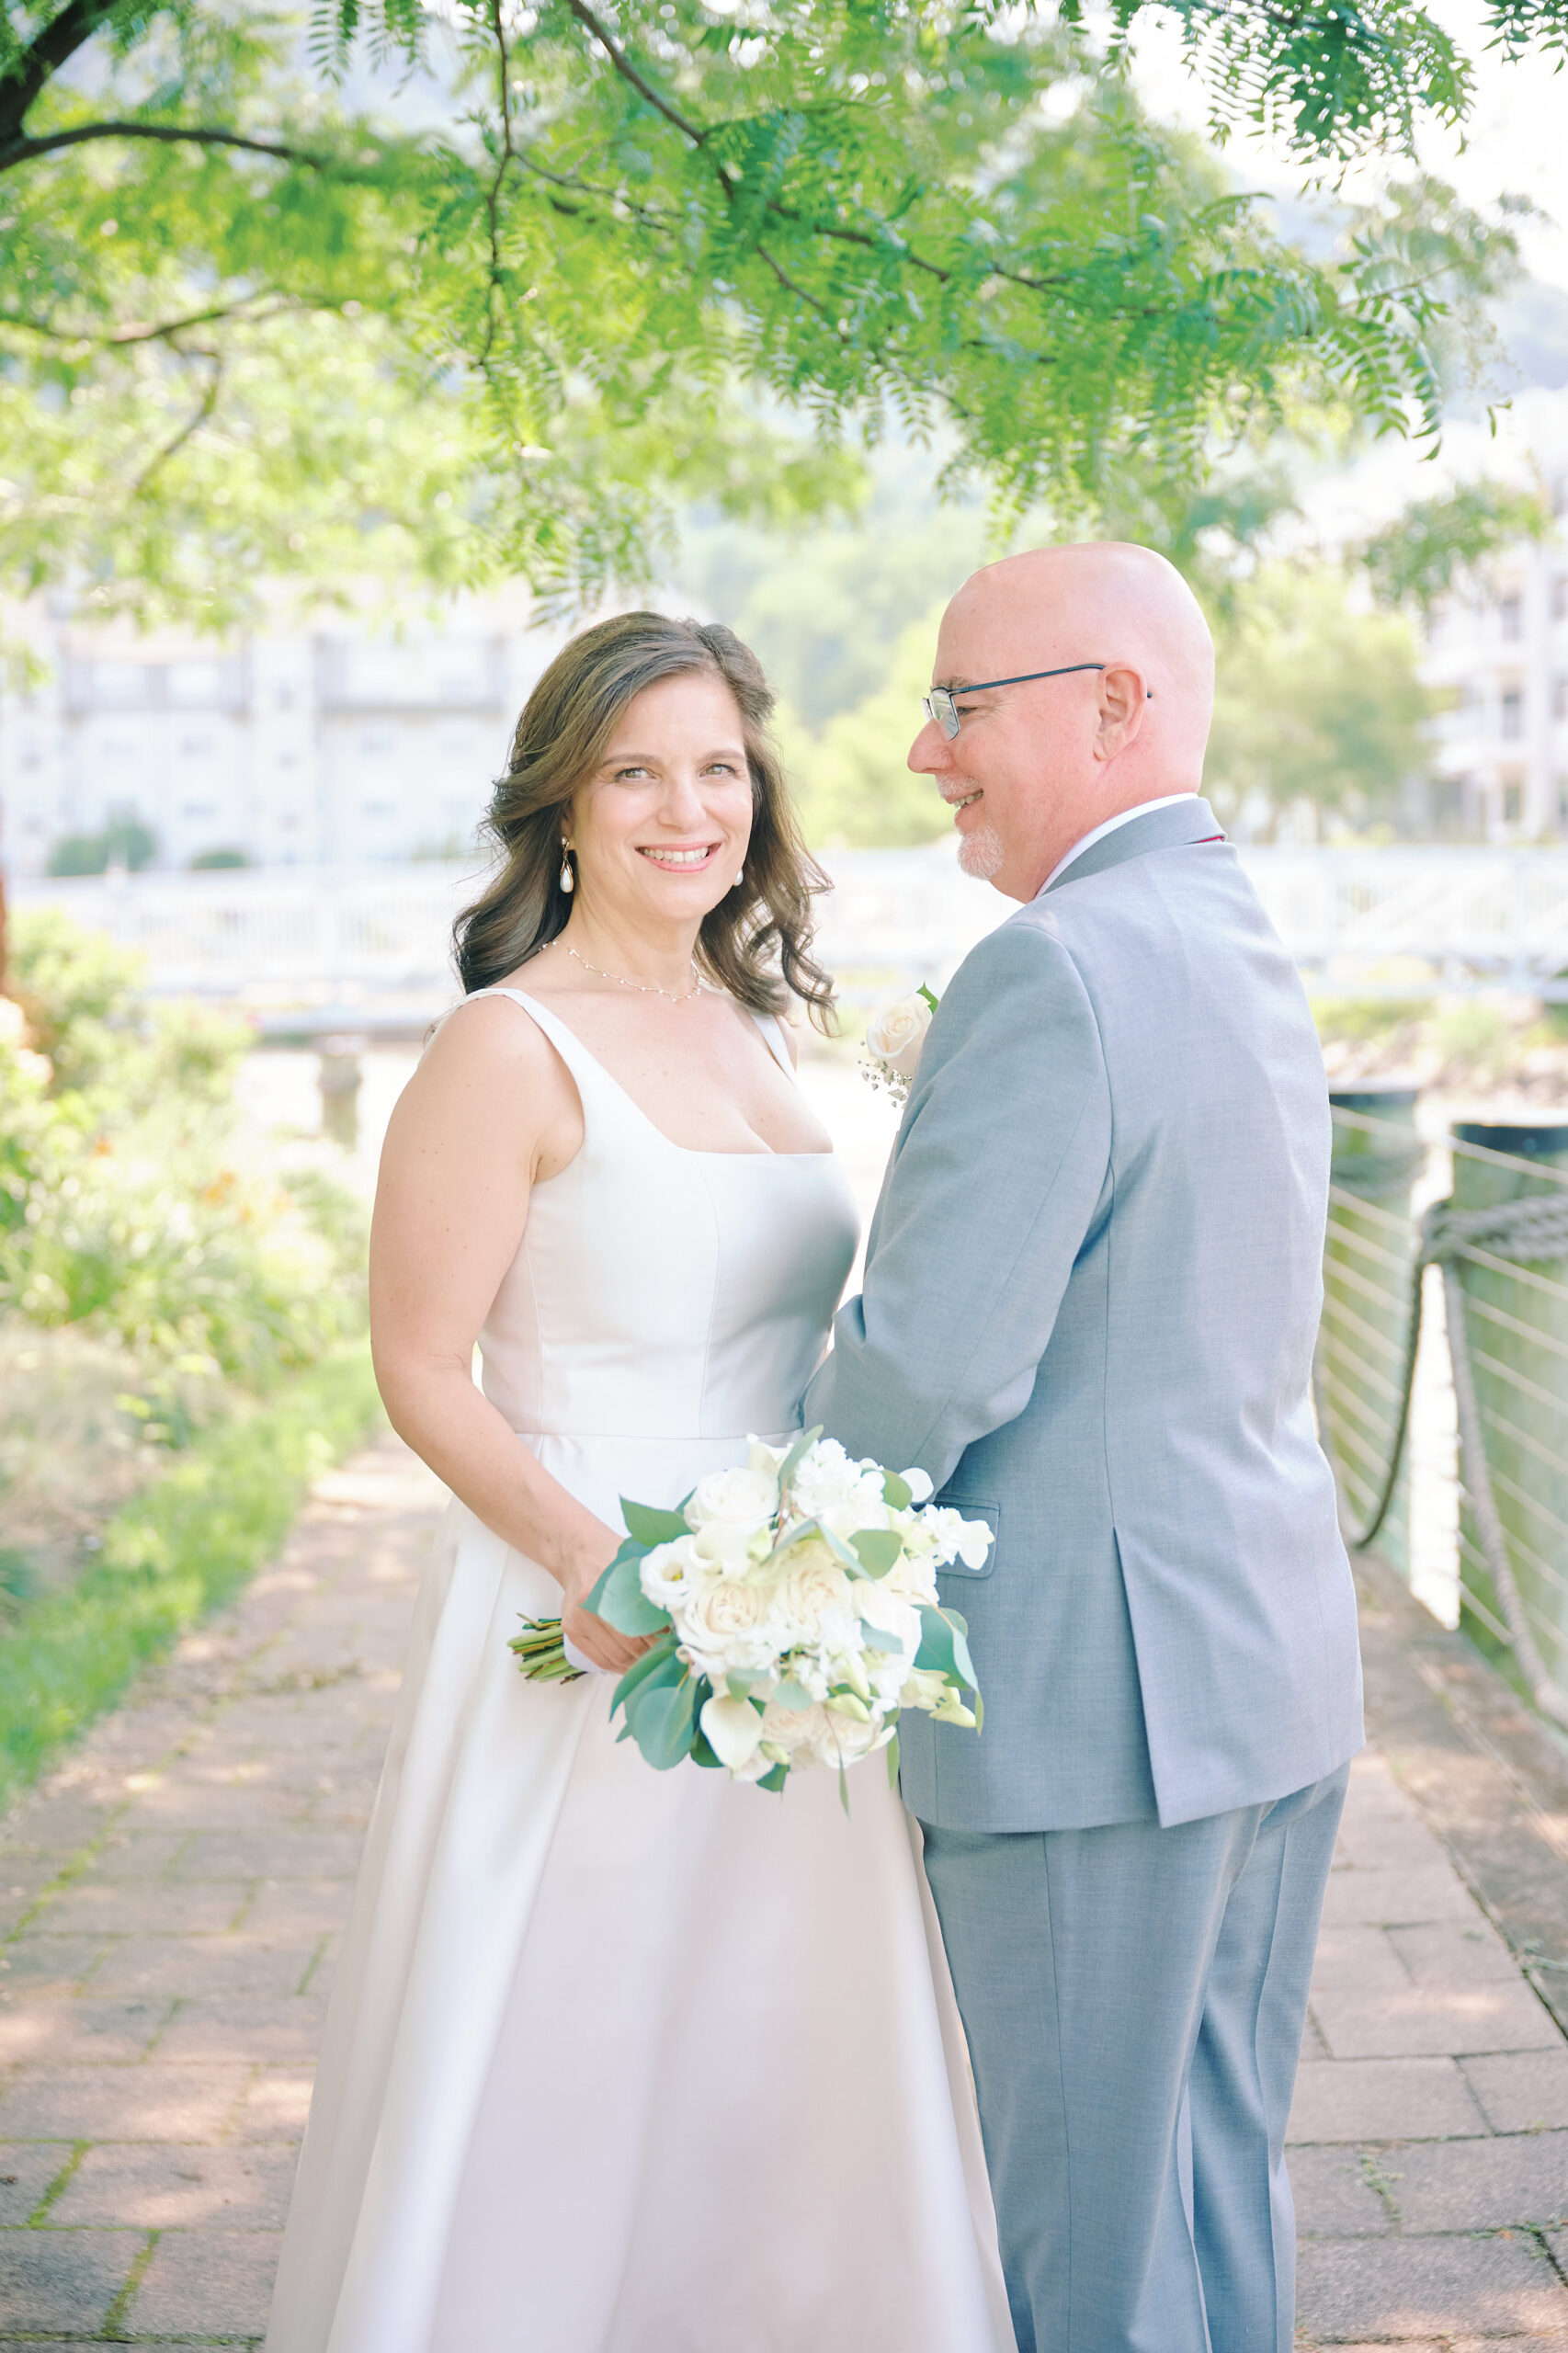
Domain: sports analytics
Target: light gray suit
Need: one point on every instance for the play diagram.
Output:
(1092, 1288)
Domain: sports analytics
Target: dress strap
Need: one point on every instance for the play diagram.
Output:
(777, 1045)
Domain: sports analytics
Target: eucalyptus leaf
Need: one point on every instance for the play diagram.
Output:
(775, 1780)
(788, 1467)
(877, 1550)
(618, 1598)
(666, 1674)
(897, 1494)
(651, 1527)
(666, 1724)
(793, 1696)
(877, 1638)
(629, 1549)
(892, 1762)
(642, 1668)
(944, 1646)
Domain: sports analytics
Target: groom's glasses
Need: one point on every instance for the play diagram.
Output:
(939, 706)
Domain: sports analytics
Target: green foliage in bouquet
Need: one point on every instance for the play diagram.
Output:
(779, 1690)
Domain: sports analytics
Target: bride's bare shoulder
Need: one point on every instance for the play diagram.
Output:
(491, 1049)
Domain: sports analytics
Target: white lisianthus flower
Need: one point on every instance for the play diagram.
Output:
(732, 1729)
(957, 1538)
(670, 1571)
(919, 1485)
(761, 1456)
(897, 1033)
(925, 1688)
(742, 1496)
(890, 1614)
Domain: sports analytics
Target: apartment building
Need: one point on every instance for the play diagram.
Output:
(303, 746)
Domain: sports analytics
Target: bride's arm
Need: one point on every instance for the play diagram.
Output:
(490, 1110)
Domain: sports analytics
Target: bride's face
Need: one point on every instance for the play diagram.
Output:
(660, 829)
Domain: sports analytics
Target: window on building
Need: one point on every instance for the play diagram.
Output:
(1513, 803)
(196, 747)
(1559, 698)
(1559, 597)
(1512, 715)
(200, 809)
(1511, 613)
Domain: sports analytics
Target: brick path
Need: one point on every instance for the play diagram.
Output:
(169, 1904)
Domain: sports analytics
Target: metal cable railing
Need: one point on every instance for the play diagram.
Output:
(1500, 1241)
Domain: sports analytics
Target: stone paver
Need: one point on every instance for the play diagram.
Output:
(1427, 2157)
(169, 1906)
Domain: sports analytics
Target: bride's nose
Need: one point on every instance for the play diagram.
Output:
(681, 803)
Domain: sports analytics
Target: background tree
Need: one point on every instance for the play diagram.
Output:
(248, 328)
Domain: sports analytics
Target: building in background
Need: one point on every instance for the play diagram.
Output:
(1499, 656)
(304, 745)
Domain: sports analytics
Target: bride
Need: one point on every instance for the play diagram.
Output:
(620, 2060)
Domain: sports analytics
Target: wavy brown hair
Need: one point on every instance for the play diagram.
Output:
(756, 941)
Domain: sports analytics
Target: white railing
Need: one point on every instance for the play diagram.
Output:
(1389, 923)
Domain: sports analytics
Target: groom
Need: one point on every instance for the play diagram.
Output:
(1091, 1294)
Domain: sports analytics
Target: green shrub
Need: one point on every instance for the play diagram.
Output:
(175, 1553)
(130, 1196)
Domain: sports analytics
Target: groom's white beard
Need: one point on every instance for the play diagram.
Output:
(981, 853)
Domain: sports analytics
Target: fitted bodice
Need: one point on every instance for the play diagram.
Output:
(660, 1292)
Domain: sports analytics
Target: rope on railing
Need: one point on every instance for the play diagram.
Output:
(1535, 1227)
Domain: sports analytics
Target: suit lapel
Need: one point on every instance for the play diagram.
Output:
(1191, 822)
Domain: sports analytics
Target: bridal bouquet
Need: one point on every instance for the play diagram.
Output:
(894, 1040)
(792, 1603)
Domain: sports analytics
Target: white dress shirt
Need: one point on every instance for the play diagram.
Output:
(1122, 817)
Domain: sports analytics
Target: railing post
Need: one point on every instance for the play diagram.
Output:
(1368, 1252)
(1516, 1333)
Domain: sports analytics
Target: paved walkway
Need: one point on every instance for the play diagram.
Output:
(170, 1902)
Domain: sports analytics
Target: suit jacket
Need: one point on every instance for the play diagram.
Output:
(1092, 1290)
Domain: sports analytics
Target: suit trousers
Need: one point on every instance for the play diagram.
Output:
(1134, 1999)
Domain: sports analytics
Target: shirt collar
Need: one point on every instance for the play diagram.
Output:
(1122, 817)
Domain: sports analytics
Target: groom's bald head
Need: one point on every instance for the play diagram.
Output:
(1041, 764)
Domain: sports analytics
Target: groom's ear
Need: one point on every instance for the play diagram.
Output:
(1122, 695)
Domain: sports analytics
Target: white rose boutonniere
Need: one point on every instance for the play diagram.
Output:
(893, 1041)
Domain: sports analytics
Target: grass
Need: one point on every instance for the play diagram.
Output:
(175, 1553)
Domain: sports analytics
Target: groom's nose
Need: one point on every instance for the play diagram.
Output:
(931, 753)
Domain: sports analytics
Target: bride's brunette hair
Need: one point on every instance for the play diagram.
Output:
(756, 941)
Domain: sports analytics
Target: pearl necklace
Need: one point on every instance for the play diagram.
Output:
(644, 988)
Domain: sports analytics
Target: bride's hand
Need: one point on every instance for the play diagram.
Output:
(594, 1636)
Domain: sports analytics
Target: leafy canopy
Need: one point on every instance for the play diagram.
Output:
(583, 260)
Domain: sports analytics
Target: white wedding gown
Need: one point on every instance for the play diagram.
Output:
(620, 2060)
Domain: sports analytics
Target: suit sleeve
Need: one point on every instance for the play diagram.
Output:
(999, 1174)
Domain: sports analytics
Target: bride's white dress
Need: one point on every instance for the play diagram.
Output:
(620, 2060)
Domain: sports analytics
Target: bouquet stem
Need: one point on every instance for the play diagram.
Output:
(540, 1653)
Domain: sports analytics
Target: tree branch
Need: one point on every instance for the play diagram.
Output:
(252, 310)
(628, 73)
(42, 59)
(24, 151)
(193, 424)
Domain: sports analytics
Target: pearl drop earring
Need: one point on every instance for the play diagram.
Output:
(739, 879)
(568, 879)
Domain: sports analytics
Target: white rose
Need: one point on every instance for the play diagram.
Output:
(811, 1591)
(727, 1624)
(745, 1497)
(896, 1034)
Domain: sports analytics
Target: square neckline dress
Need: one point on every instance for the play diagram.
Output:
(618, 2060)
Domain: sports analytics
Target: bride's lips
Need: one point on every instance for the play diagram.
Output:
(679, 858)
